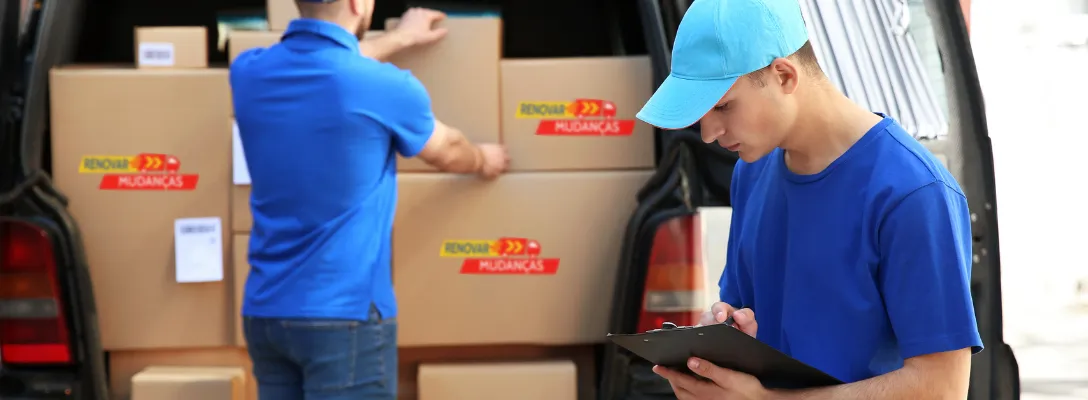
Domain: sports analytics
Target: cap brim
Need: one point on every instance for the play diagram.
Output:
(680, 103)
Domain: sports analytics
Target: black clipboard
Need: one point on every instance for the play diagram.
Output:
(727, 347)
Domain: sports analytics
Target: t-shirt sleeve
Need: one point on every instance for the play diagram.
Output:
(924, 273)
(408, 115)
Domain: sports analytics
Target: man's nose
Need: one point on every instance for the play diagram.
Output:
(710, 130)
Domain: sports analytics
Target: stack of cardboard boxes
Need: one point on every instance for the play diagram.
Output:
(500, 282)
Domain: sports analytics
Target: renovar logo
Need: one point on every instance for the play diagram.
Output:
(503, 256)
(582, 117)
(146, 171)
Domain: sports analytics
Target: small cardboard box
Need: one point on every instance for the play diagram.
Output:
(461, 74)
(171, 47)
(540, 380)
(124, 365)
(183, 383)
(576, 113)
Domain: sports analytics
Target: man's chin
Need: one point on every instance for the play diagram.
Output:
(751, 156)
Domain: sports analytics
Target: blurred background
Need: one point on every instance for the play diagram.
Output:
(1032, 62)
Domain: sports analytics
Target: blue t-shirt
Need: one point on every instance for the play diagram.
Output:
(858, 267)
(320, 125)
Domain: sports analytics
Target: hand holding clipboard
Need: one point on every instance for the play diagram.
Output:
(726, 346)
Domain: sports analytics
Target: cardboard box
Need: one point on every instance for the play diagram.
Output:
(541, 380)
(411, 358)
(280, 13)
(124, 365)
(241, 272)
(244, 40)
(172, 47)
(461, 74)
(576, 113)
(576, 218)
(102, 120)
(183, 383)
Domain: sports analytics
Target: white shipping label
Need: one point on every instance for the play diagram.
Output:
(198, 249)
(156, 54)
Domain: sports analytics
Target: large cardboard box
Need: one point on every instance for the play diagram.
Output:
(449, 228)
(241, 273)
(461, 74)
(540, 380)
(576, 113)
(124, 365)
(102, 120)
(172, 47)
(183, 383)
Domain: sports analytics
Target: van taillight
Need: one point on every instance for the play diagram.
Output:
(675, 288)
(32, 325)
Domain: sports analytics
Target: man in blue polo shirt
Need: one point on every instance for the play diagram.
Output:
(322, 121)
(850, 243)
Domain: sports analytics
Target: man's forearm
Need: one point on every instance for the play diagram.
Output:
(904, 384)
(383, 46)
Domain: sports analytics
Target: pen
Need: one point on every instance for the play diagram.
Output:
(729, 321)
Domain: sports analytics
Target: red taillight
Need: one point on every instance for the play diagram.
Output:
(675, 288)
(32, 325)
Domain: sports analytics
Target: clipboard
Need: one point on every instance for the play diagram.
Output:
(726, 347)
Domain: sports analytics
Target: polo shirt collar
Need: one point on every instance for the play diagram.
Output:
(325, 29)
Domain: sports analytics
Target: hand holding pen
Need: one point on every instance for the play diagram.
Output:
(743, 319)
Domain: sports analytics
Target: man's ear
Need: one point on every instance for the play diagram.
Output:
(786, 74)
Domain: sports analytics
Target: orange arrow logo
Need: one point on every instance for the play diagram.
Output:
(154, 162)
(589, 108)
(513, 247)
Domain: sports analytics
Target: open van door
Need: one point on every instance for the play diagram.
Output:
(659, 271)
(49, 341)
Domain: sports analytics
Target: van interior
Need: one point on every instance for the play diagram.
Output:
(50, 348)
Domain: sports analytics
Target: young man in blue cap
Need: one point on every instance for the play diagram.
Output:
(321, 126)
(850, 243)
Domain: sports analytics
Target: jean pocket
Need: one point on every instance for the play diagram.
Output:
(320, 323)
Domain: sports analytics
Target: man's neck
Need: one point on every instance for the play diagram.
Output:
(825, 130)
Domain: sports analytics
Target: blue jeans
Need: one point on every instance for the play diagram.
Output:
(320, 359)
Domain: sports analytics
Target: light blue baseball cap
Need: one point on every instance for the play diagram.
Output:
(717, 42)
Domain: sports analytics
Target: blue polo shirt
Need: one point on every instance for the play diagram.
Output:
(858, 267)
(320, 125)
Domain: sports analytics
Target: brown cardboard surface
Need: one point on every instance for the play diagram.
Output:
(241, 219)
(624, 81)
(241, 272)
(461, 74)
(204, 383)
(280, 13)
(125, 364)
(532, 380)
(189, 43)
(577, 217)
(244, 40)
(413, 357)
(129, 235)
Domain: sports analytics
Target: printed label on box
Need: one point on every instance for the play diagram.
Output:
(146, 171)
(156, 54)
(581, 117)
(505, 256)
